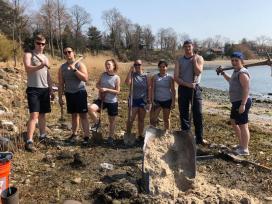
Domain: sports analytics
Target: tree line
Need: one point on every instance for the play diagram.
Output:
(127, 40)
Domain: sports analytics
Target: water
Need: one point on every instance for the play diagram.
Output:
(261, 80)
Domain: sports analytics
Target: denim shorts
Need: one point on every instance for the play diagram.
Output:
(139, 103)
(240, 119)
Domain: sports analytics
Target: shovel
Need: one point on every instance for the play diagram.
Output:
(129, 139)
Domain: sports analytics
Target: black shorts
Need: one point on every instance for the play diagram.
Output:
(240, 119)
(164, 104)
(38, 100)
(112, 108)
(77, 102)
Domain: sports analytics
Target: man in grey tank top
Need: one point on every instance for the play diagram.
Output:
(72, 80)
(39, 89)
(187, 74)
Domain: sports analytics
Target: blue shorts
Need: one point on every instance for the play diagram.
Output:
(139, 103)
(112, 108)
(240, 119)
(164, 104)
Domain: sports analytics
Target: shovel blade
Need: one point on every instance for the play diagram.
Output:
(129, 139)
(97, 137)
(185, 147)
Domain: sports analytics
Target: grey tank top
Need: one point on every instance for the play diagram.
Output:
(186, 70)
(162, 87)
(139, 86)
(37, 79)
(72, 83)
(109, 81)
(235, 87)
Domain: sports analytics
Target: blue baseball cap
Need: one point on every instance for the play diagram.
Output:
(186, 42)
(238, 55)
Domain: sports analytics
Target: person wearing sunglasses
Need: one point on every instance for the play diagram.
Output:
(187, 74)
(39, 90)
(109, 87)
(141, 90)
(163, 95)
(72, 79)
(239, 87)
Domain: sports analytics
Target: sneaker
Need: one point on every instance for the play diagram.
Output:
(72, 139)
(30, 147)
(96, 126)
(241, 152)
(235, 146)
(203, 142)
(110, 141)
(86, 140)
(42, 137)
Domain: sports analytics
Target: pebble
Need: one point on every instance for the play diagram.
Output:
(76, 180)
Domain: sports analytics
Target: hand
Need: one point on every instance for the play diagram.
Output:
(242, 109)
(148, 107)
(52, 95)
(102, 90)
(61, 102)
(192, 85)
(219, 70)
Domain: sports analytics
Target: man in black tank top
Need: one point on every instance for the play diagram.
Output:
(187, 74)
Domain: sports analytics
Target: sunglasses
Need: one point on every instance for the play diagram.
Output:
(67, 52)
(39, 43)
(137, 65)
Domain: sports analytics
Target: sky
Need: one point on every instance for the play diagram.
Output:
(234, 19)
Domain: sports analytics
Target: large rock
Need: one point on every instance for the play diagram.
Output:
(8, 125)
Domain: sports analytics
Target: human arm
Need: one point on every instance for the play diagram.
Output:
(128, 78)
(244, 80)
(173, 91)
(198, 63)
(81, 73)
(116, 90)
(33, 68)
(61, 87)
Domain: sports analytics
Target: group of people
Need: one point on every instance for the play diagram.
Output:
(148, 94)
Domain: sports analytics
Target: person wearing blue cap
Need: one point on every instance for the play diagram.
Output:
(239, 86)
(187, 75)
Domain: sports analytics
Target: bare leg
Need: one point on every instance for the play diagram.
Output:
(42, 123)
(237, 131)
(166, 118)
(154, 114)
(92, 112)
(112, 126)
(141, 117)
(85, 124)
(31, 125)
(75, 123)
(245, 136)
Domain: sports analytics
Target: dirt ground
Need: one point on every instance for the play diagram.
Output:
(60, 171)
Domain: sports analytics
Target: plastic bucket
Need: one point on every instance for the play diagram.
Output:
(10, 196)
(4, 175)
(5, 167)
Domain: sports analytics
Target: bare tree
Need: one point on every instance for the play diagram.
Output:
(115, 24)
(80, 18)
